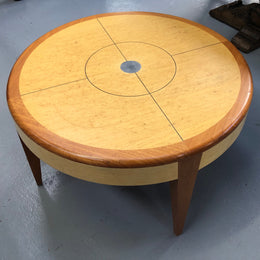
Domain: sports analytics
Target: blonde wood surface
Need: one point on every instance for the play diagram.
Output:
(158, 66)
(203, 90)
(62, 57)
(108, 77)
(174, 35)
(86, 115)
(192, 91)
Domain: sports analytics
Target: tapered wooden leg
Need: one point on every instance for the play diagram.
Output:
(34, 163)
(181, 190)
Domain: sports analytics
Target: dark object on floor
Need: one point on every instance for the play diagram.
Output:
(246, 19)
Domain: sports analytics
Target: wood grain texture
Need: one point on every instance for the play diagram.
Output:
(158, 66)
(203, 91)
(232, 97)
(181, 190)
(62, 57)
(88, 116)
(174, 34)
(106, 79)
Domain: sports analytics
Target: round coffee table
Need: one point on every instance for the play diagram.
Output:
(130, 98)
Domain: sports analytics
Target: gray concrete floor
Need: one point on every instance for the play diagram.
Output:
(73, 219)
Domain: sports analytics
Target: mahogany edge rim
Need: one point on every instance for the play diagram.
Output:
(150, 157)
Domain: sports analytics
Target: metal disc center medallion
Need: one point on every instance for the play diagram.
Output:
(130, 66)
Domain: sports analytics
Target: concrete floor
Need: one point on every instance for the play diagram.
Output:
(73, 219)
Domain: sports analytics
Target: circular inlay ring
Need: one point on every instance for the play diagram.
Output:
(159, 117)
(123, 65)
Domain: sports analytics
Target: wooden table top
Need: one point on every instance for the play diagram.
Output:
(129, 89)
